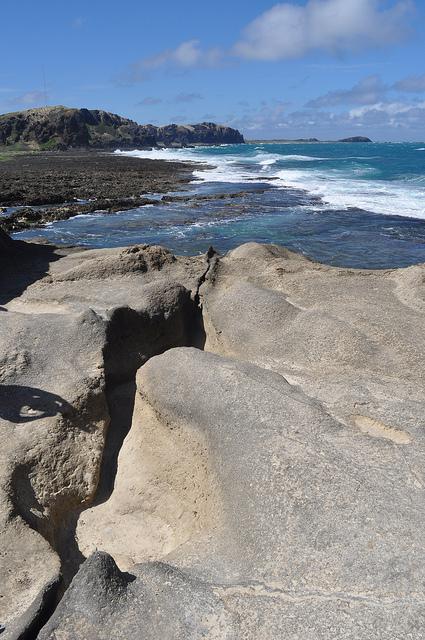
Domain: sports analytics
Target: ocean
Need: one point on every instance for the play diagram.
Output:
(354, 205)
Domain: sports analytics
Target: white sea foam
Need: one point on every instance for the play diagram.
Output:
(267, 162)
(164, 154)
(291, 158)
(337, 188)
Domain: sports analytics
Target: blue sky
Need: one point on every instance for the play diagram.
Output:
(317, 68)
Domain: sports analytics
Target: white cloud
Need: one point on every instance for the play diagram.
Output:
(30, 98)
(371, 93)
(187, 54)
(388, 108)
(188, 97)
(336, 26)
(179, 119)
(267, 116)
(395, 120)
(180, 98)
(290, 30)
(412, 84)
(149, 101)
(369, 90)
(78, 22)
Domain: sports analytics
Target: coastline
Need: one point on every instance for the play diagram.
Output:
(340, 207)
(44, 187)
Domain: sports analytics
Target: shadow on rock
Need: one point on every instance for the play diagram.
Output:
(21, 264)
(24, 404)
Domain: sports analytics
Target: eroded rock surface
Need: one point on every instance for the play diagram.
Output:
(66, 345)
(352, 339)
(268, 483)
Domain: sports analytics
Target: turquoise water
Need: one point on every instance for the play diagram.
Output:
(360, 205)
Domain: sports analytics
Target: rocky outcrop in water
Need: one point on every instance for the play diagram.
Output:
(234, 443)
(60, 127)
(356, 139)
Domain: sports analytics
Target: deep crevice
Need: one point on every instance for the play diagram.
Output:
(36, 616)
(132, 338)
(212, 259)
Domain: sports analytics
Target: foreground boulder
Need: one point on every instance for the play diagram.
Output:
(293, 522)
(268, 483)
(157, 601)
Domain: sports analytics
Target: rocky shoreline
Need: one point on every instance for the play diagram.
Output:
(217, 446)
(42, 188)
(53, 186)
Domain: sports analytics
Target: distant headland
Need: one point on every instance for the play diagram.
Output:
(61, 128)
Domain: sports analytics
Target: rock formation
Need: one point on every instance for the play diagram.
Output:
(63, 128)
(203, 133)
(235, 443)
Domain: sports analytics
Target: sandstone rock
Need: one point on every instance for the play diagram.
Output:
(125, 263)
(27, 625)
(158, 601)
(60, 362)
(270, 486)
(346, 336)
(301, 525)
(53, 416)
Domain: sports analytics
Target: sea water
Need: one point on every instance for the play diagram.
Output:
(348, 204)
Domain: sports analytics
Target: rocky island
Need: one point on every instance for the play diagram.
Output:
(356, 139)
(218, 446)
